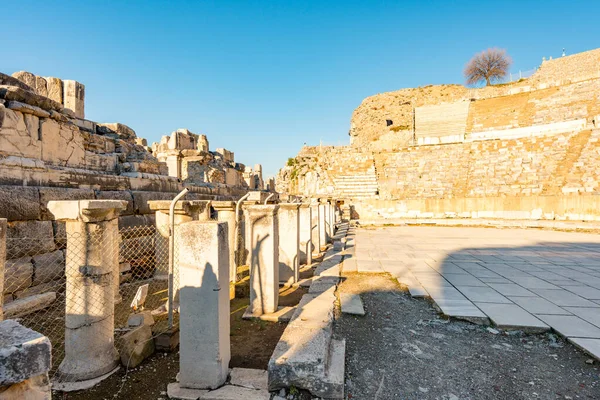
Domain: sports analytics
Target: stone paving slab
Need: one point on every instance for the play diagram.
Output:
(511, 316)
(510, 289)
(537, 305)
(571, 326)
(532, 280)
(482, 294)
(591, 315)
(590, 346)
(351, 304)
(563, 298)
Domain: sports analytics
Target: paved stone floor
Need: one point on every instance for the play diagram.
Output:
(530, 280)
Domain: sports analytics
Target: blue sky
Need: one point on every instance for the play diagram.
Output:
(261, 78)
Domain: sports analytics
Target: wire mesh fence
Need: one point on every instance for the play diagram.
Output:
(77, 286)
(60, 287)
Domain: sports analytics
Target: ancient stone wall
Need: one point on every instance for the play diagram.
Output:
(48, 151)
(558, 174)
(386, 121)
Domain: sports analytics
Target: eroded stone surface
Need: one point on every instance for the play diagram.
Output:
(24, 353)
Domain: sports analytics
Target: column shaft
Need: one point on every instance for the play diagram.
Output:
(204, 326)
(262, 239)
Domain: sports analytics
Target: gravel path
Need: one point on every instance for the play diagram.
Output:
(402, 349)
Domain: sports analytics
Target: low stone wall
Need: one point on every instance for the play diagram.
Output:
(36, 242)
(557, 207)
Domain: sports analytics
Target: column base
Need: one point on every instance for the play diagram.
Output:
(283, 314)
(59, 385)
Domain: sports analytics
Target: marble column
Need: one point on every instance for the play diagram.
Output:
(92, 242)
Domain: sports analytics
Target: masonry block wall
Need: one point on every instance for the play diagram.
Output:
(385, 121)
(48, 151)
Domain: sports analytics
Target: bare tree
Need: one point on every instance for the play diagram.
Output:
(490, 65)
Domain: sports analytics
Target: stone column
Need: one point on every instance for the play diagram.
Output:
(185, 211)
(315, 230)
(306, 246)
(289, 243)
(323, 234)
(2, 263)
(204, 309)
(262, 238)
(92, 240)
(226, 213)
(331, 218)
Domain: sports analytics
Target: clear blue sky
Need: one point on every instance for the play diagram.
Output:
(262, 77)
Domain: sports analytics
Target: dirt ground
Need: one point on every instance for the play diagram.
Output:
(252, 343)
(402, 349)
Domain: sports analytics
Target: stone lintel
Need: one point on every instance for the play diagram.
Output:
(24, 353)
(86, 210)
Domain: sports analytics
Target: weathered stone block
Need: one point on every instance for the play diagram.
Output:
(19, 94)
(36, 388)
(20, 134)
(24, 353)
(48, 267)
(74, 97)
(139, 319)
(135, 346)
(28, 238)
(57, 286)
(53, 193)
(18, 274)
(19, 203)
(55, 89)
(140, 200)
(25, 306)
(27, 109)
(61, 144)
(121, 130)
(118, 195)
(27, 78)
(13, 81)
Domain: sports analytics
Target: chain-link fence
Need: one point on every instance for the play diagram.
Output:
(41, 271)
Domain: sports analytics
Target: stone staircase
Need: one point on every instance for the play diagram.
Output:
(358, 185)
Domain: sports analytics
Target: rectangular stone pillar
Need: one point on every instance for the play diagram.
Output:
(306, 246)
(74, 97)
(226, 213)
(204, 309)
(91, 271)
(289, 243)
(185, 211)
(2, 263)
(323, 234)
(262, 239)
(315, 231)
